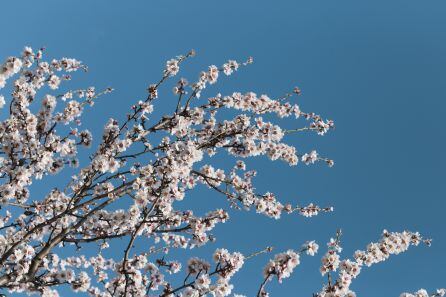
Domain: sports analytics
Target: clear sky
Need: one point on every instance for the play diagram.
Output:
(376, 67)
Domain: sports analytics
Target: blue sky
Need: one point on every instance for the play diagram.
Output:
(376, 67)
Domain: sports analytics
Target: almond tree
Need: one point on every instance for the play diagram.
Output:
(145, 164)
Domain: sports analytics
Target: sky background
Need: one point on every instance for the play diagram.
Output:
(377, 68)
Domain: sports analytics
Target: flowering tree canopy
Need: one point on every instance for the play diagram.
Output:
(128, 190)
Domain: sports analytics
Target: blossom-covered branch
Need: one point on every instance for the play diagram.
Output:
(391, 243)
(144, 163)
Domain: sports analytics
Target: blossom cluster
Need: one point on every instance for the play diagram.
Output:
(424, 293)
(283, 264)
(391, 243)
(227, 264)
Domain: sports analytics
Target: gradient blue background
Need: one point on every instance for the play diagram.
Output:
(376, 67)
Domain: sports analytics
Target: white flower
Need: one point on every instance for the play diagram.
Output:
(310, 158)
(190, 292)
(230, 67)
(421, 293)
(311, 248)
(203, 282)
(212, 74)
(54, 82)
(172, 67)
(2, 81)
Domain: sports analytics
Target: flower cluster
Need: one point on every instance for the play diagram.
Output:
(282, 265)
(424, 293)
(226, 265)
(10, 67)
(391, 243)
